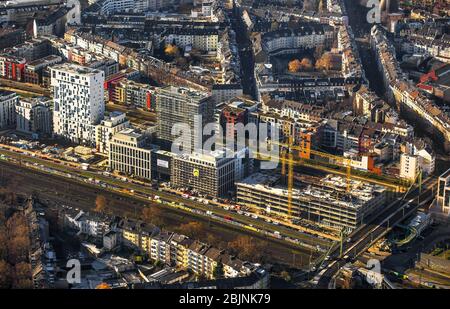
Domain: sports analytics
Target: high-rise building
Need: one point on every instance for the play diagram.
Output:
(8, 102)
(78, 102)
(181, 105)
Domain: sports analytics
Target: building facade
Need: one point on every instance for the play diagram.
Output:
(128, 155)
(34, 116)
(211, 174)
(78, 102)
(112, 124)
(8, 101)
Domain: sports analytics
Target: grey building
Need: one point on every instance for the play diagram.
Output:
(212, 174)
(181, 105)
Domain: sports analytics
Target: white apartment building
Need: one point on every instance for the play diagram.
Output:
(127, 155)
(8, 101)
(112, 124)
(34, 116)
(287, 39)
(201, 39)
(211, 173)
(78, 102)
(409, 166)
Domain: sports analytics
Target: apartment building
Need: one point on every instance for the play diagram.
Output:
(205, 40)
(8, 101)
(78, 102)
(288, 40)
(443, 192)
(34, 115)
(108, 127)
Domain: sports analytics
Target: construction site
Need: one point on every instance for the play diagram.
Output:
(321, 201)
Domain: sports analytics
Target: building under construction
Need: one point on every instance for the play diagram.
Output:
(324, 201)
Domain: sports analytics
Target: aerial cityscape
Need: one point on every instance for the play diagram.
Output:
(224, 144)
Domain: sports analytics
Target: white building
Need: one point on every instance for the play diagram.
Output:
(78, 102)
(34, 115)
(127, 155)
(417, 156)
(88, 224)
(8, 101)
(109, 126)
(409, 166)
(443, 192)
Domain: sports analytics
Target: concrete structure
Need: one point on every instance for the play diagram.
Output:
(211, 173)
(181, 105)
(8, 101)
(112, 124)
(78, 102)
(34, 116)
(128, 155)
(322, 201)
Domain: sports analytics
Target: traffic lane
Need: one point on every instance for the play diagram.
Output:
(306, 239)
(66, 192)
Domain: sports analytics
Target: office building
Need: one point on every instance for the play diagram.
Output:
(210, 173)
(176, 105)
(110, 125)
(128, 154)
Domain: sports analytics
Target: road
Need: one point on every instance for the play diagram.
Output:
(63, 191)
(245, 54)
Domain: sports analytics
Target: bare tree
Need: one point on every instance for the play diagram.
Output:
(100, 203)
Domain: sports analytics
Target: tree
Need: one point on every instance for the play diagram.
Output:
(3, 241)
(100, 203)
(218, 271)
(325, 62)
(5, 275)
(321, 7)
(152, 215)
(306, 64)
(18, 249)
(171, 50)
(192, 229)
(294, 65)
(103, 286)
(22, 276)
(245, 247)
